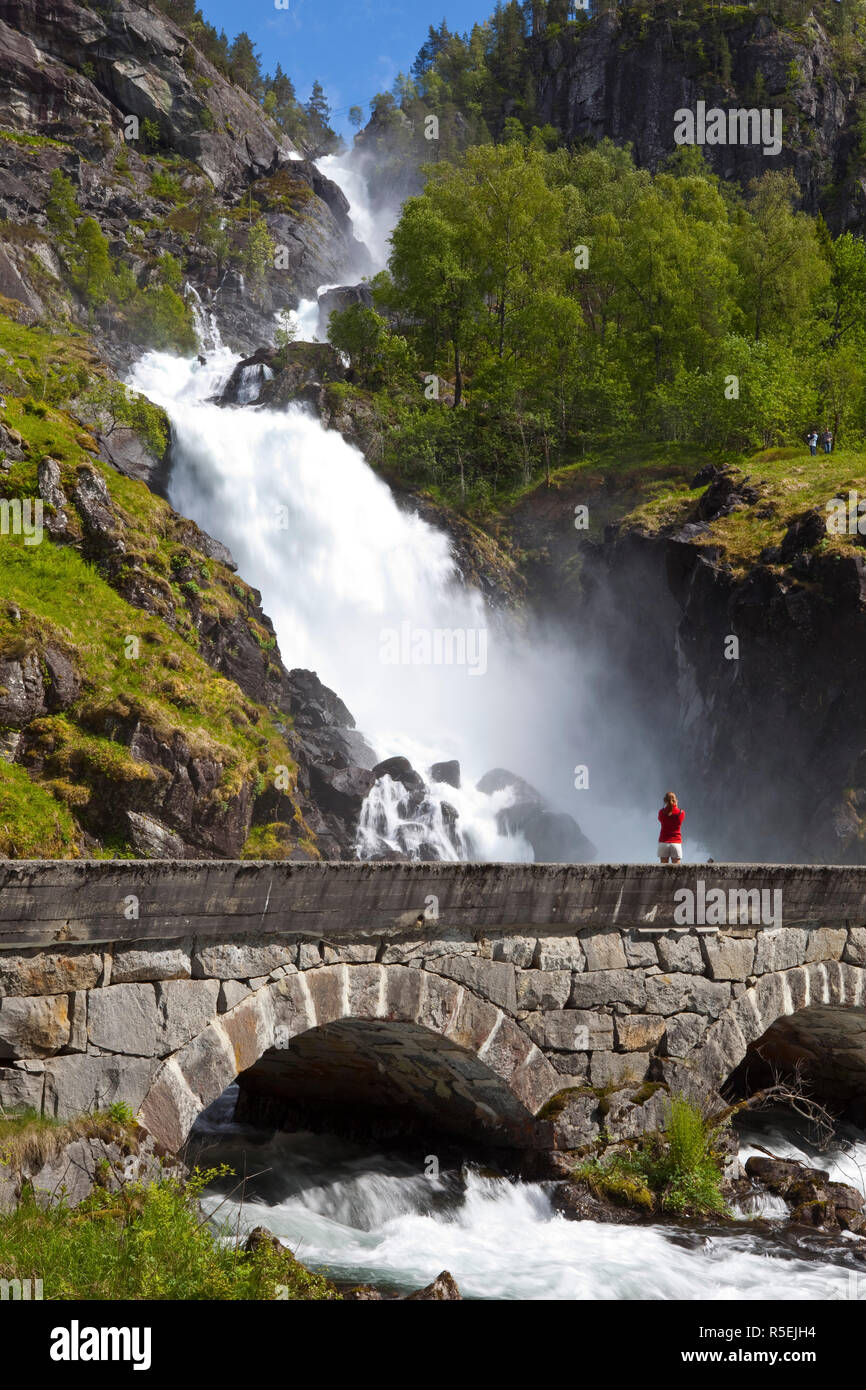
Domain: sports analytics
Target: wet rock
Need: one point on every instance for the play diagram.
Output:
(400, 770)
(814, 1199)
(555, 837)
(448, 772)
(443, 1289)
(576, 1202)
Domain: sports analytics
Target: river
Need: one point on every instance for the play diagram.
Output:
(364, 1215)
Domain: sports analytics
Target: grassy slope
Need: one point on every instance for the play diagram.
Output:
(650, 487)
(146, 1241)
(61, 597)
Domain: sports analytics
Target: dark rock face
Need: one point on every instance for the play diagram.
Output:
(336, 301)
(724, 496)
(449, 773)
(555, 837)
(617, 79)
(804, 533)
(738, 733)
(400, 770)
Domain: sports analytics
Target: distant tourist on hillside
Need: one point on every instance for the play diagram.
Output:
(671, 836)
(812, 441)
(827, 440)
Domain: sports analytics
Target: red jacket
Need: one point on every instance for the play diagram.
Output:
(671, 827)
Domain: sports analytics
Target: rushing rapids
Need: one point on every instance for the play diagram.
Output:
(375, 1217)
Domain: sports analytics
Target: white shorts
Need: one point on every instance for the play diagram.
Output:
(670, 853)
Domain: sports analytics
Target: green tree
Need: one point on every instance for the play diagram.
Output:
(258, 259)
(91, 263)
(62, 210)
(110, 406)
(244, 65)
(779, 256)
(846, 310)
(432, 266)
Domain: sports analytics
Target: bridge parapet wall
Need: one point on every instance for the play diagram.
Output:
(548, 1009)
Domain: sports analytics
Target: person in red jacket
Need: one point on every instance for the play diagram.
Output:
(671, 835)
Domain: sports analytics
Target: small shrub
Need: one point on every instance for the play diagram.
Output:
(676, 1170)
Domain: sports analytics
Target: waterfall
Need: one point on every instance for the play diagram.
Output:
(206, 326)
(370, 596)
(253, 379)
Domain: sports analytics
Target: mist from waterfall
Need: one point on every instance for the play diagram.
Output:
(369, 595)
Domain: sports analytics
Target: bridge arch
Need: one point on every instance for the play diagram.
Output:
(479, 1054)
(826, 1003)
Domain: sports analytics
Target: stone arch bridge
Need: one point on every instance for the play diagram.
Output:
(532, 1004)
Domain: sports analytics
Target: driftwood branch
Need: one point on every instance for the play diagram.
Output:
(791, 1092)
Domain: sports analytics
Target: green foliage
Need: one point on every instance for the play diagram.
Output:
(377, 356)
(165, 185)
(259, 254)
(111, 405)
(146, 1242)
(151, 136)
(677, 1170)
(287, 330)
(90, 263)
(565, 299)
(33, 823)
(121, 1113)
(62, 210)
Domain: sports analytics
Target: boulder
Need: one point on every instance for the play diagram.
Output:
(400, 770)
(448, 772)
(555, 837)
(444, 1288)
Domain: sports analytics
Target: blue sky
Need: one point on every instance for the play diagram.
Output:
(354, 47)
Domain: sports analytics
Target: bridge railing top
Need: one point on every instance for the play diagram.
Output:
(45, 902)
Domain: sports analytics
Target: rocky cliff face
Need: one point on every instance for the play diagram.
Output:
(77, 86)
(145, 749)
(625, 76)
(764, 738)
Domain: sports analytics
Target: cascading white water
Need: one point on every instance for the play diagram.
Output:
(370, 597)
(367, 595)
(367, 1217)
(373, 227)
(252, 380)
(306, 318)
